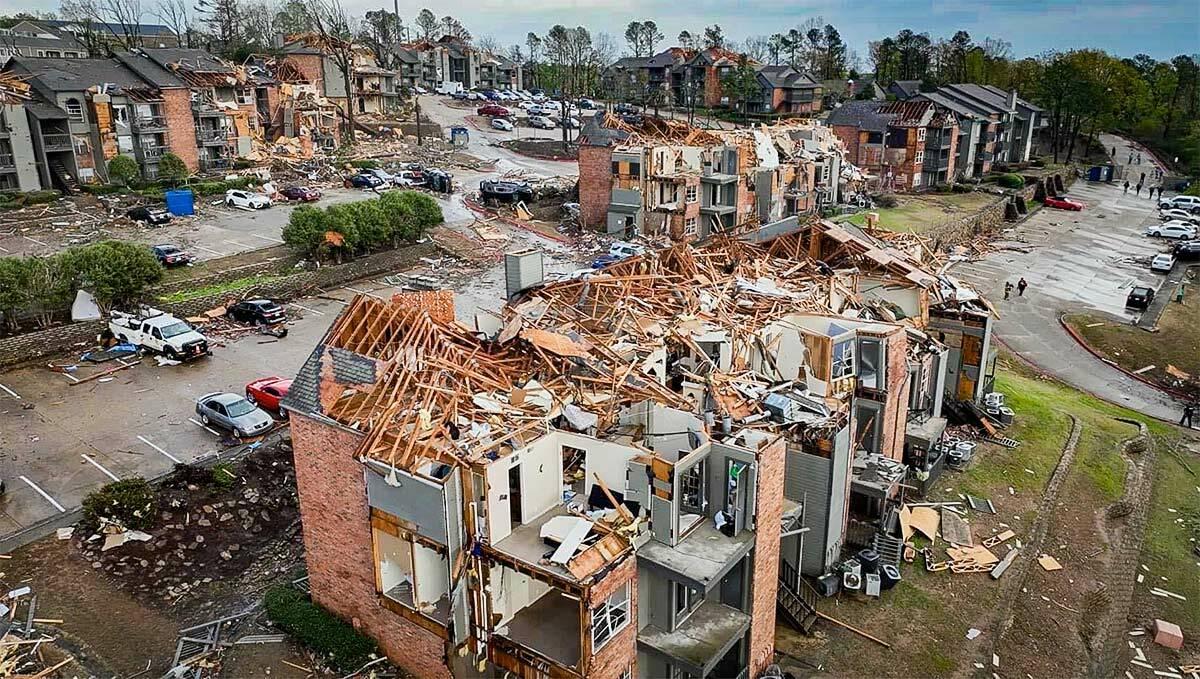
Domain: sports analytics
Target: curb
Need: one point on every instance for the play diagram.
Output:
(1062, 320)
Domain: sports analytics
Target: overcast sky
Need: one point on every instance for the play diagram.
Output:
(1160, 28)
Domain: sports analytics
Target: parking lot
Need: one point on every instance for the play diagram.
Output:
(60, 441)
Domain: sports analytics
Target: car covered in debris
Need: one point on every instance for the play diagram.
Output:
(305, 194)
(1174, 229)
(410, 178)
(1139, 297)
(267, 392)
(170, 255)
(233, 413)
(1061, 203)
(1188, 250)
(160, 332)
(363, 180)
(247, 199)
(256, 312)
(149, 215)
(621, 249)
(505, 192)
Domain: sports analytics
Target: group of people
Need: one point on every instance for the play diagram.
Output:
(1021, 285)
(1156, 174)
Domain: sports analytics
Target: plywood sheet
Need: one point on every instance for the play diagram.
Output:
(555, 343)
(1049, 563)
(955, 529)
(925, 520)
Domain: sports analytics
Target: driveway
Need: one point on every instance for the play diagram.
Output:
(1078, 261)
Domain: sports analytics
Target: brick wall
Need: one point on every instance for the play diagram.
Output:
(338, 547)
(181, 125)
(849, 135)
(310, 66)
(621, 651)
(595, 185)
(765, 557)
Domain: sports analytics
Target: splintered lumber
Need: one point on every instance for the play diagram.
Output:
(621, 508)
(857, 631)
(103, 373)
(1004, 564)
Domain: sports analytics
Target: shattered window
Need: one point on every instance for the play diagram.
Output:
(610, 617)
(870, 363)
(843, 359)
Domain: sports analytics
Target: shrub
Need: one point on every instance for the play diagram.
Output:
(223, 475)
(1193, 190)
(885, 200)
(172, 169)
(1011, 181)
(242, 164)
(132, 502)
(416, 211)
(305, 230)
(123, 169)
(115, 271)
(365, 164)
(345, 648)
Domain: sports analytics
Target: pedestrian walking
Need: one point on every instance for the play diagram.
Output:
(1143, 181)
(1008, 286)
(1188, 411)
(1139, 159)
(1138, 191)
(1114, 153)
(1126, 186)
(1021, 285)
(1130, 158)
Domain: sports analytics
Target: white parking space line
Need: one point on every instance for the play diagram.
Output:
(240, 245)
(169, 456)
(219, 254)
(99, 466)
(266, 238)
(304, 308)
(11, 392)
(35, 241)
(207, 428)
(44, 494)
(4, 249)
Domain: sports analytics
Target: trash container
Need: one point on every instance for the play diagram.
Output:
(181, 202)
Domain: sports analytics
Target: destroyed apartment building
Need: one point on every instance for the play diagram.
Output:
(663, 177)
(622, 475)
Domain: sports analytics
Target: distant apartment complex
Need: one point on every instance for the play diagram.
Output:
(665, 178)
(903, 145)
(994, 126)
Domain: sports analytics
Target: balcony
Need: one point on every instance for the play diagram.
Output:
(208, 136)
(57, 141)
(8, 163)
(935, 163)
(214, 164)
(698, 644)
(207, 109)
(150, 124)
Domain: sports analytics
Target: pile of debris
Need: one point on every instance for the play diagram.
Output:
(213, 525)
(27, 646)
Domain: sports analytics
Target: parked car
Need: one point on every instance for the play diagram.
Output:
(159, 332)
(257, 312)
(386, 177)
(1139, 297)
(634, 119)
(529, 106)
(588, 104)
(149, 215)
(501, 124)
(604, 260)
(624, 108)
(570, 123)
(305, 194)
(267, 392)
(1181, 230)
(420, 90)
(1162, 263)
(542, 122)
(1189, 203)
(493, 110)
(1188, 250)
(364, 180)
(170, 255)
(411, 178)
(1062, 203)
(621, 249)
(1175, 213)
(247, 199)
(461, 96)
(234, 413)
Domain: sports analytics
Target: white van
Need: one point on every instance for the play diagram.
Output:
(621, 250)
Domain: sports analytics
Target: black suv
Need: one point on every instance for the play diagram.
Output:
(257, 312)
(1188, 250)
(1140, 298)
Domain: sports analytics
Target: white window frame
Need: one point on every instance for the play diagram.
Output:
(244, 95)
(916, 179)
(918, 158)
(690, 226)
(920, 134)
(77, 115)
(692, 193)
(610, 617)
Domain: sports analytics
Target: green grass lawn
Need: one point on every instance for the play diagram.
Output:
(917, 213)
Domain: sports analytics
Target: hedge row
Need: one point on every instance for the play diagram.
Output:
(115, 272)
(339, 644)
(339, 232)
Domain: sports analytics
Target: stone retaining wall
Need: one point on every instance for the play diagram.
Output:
(65, 338)
(985, 221)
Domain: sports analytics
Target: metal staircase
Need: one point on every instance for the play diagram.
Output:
(796, 599)
(62, 178)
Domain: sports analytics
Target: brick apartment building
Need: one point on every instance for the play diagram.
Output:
(663, 177)
(568, 489)
(906, 145)
(994, 126)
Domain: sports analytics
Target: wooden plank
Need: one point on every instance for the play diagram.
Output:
(572, 540)
(1004, 564)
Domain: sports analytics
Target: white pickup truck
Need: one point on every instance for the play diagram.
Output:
(159, 331)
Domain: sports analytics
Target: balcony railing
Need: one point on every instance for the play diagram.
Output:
(57, 142)
(211, 164)
(152, 152)
(7, 161)
(147, 123)
(211, 135)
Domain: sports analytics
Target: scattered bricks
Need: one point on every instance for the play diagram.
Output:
(1168, 634)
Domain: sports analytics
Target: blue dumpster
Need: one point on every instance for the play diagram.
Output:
(459, 136)
(181, 202)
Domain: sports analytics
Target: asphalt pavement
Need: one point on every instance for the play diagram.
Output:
(1076, 262)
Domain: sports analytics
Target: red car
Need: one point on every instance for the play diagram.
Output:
(493, 110)
(301, 193)
(1062, 203)
(266, 392)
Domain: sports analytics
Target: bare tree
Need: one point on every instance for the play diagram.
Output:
(758, 48)
(427, 24)
(125, 17)
(224, 21)
(175, 15)
(258, 23)
(334, 37)
(488, 44)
